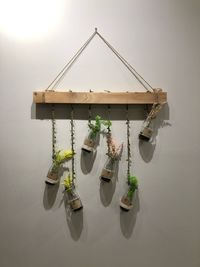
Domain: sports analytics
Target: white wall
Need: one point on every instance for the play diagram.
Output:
(161, 39)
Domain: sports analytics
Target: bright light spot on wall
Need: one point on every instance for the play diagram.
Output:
(30, 19)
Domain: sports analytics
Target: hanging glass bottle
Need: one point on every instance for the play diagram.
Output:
(146, 131)
(73, 198)
(92, 139)
(60, 157)
(53, 175)
(90, 142)
(126, 202)
(114, 153)
(109, 169)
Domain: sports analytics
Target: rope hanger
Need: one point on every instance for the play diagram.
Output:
(62, 73)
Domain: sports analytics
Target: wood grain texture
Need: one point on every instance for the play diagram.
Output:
(99, 97)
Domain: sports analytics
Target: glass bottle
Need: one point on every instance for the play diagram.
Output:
(146, 131)
(109, 169)
(90, 143)
(53, 174)
(126, 202)
(73, 199)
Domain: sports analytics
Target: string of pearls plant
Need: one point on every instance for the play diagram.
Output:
(126, 202)
(72, 142)
(53, 121)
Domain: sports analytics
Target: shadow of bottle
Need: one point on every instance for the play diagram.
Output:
(87, 161)
(147, 150)
(49, 196)
(107, 190)
(128, 218)
(74, 220)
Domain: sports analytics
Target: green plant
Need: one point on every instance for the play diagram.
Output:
(68, 183)
(133, 185)
(95, 128)
(60, 157)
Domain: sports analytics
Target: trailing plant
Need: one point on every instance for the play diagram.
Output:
(60, 157)
(96, 127)
(126, 200)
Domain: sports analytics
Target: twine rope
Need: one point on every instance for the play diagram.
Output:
(62, 73)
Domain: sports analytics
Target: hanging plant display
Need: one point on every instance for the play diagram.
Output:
(147, 129)
(152, 96)
(126, 202)
(114, 153)
(73, 198)
(95, 128)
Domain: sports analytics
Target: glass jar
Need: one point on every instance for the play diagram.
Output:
(53, 174)
(126, 202)
(90, 143)
(109, 169)
(73, 200)
(146, 131)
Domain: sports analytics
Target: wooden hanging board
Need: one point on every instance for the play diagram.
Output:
(56, 97)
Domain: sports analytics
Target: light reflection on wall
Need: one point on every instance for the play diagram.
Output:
(30, 19)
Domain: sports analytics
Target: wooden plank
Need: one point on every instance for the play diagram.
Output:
(99, 97)
(38, 97)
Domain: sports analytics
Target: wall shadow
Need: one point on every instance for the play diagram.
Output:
(87, 161)
(106, 191)
(62, 111)
(49, 196)
(146, 150)
(128, 218)
(74, 220)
